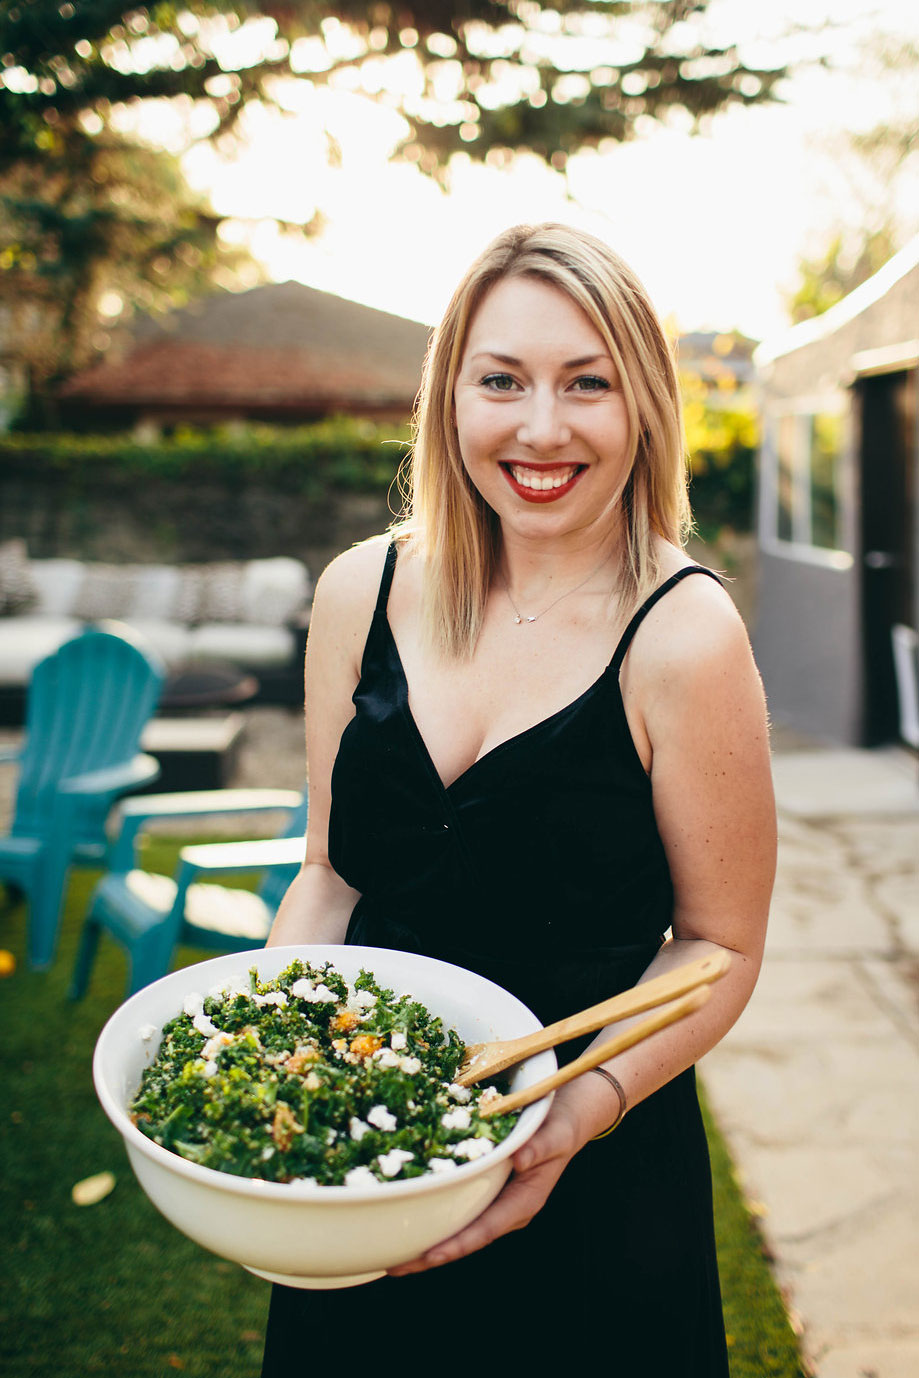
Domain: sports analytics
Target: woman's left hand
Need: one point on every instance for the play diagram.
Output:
(536, 1169)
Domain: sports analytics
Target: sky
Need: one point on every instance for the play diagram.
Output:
(714, 224)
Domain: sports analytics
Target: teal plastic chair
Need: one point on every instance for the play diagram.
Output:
(151, 914)
(87, 706)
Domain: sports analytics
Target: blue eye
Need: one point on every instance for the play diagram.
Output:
(499, 382)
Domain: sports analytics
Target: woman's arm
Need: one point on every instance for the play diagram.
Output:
(696, 710)
(318, 903)
(698, 716)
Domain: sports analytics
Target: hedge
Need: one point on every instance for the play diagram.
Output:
(340, 453)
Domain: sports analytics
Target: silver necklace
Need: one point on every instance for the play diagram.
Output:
(519, 618)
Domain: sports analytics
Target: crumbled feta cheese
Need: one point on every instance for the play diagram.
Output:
(390, 1164)
(398, 1041)
(443, 1164)
(231, 987)
(273, 997)
(410, 1065)
(488, 1095)
(194, 1003)
(363, 999)
(357, 1128)
(205, 1026)
(313, 995)
(147, 1032)
(472, 1148)
(462, 1093)
(386, 1057)
(381, 1118)
(267, 1152)
(360, 1177)
(215, 1045)
(459, 1118)
(210, 1068)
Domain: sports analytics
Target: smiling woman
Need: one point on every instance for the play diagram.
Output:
(543, 425)
(538, 749)
(551, 350)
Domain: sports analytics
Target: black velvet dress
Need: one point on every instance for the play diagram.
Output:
(542, 868)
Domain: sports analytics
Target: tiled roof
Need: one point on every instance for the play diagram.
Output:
(283, 345)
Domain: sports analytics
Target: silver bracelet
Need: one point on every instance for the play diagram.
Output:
(623, 1106)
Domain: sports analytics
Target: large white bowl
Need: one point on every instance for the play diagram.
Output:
(294, 1232)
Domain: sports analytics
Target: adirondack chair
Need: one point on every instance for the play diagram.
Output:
(88, 703)
(150, 914)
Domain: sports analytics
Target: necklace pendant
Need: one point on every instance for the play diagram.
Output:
(532, 619)
(518, 619)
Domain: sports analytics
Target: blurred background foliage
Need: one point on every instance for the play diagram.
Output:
(722, 437)
(86, 209)
(338, 452)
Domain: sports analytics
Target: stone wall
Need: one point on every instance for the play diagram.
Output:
(176, 521)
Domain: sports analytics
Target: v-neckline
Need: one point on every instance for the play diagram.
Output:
(499, 746)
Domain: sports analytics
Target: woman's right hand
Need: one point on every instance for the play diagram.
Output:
(577, 1114)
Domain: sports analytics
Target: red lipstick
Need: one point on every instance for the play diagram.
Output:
(541, 494)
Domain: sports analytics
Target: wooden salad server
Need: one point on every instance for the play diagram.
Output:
(485, 1060)
(667, 1014)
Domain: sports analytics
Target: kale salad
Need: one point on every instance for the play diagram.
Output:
(307, 1077)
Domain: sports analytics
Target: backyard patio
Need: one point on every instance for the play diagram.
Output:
(840, 968)
(133, 1296)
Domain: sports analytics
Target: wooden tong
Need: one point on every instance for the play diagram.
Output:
(678, 993)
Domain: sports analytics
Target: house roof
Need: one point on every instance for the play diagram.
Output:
(283, 345)
(857, 301)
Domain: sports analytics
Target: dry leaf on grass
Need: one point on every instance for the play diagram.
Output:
(92, 1189)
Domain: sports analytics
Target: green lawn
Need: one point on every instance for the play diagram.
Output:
(113, 1288)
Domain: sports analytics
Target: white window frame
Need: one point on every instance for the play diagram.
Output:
(800, 546)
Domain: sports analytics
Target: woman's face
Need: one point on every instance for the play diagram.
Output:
(542, 423)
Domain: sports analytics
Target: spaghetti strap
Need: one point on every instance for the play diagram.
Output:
(625, 640)
(389, 569)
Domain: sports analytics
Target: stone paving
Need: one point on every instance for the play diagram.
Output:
(817, 1086)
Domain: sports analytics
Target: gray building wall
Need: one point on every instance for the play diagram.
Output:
(806, 643)
(808, 635)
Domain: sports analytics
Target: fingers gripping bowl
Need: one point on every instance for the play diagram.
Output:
(297, 1232)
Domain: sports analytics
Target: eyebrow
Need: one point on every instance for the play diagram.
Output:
(569, 363)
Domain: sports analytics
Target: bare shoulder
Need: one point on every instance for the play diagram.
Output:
(694, 626)
(346, 595)
(348, 586)
(352, 578)
(691, 665)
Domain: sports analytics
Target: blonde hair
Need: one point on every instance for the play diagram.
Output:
(456, 531)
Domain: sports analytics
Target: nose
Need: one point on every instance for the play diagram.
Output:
(543, 426)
